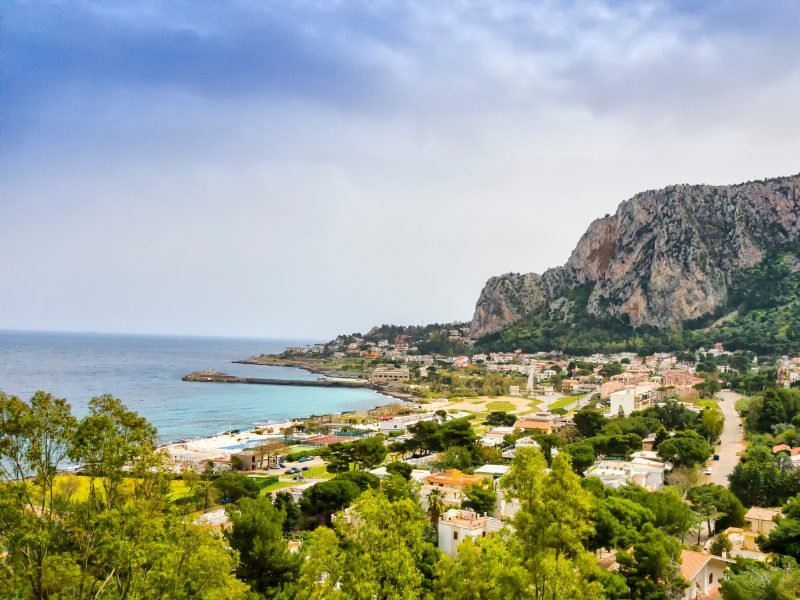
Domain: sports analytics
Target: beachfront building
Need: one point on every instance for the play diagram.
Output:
(639, 471)
(389, 374)
(246, 460)
(456, 525)
(703, 572)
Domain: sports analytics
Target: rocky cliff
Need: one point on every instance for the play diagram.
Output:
(665, 257)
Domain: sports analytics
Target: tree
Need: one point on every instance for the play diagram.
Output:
(719, 502)
(582, 455)
(383, 553)
(480, 497)
(711, 423)
(617, 522)
(685, 448)
(323, 499)
(499, 418)
(589, 422)
(757, 581)
(234, 486)
(284, 502)
(651, 570)
(436, 507)
(400, 468)
(256, 533)
(127, 545)
(784, 538)
(108, 440)
(721, 544)
(486, 568)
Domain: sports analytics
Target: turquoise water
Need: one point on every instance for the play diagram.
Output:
(145, 373)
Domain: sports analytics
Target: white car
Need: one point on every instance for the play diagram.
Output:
(708, 471)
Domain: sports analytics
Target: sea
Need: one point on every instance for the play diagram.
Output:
(144, 371)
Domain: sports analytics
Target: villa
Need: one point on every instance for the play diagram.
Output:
(456, 525)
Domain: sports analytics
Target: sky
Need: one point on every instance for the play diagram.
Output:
(303, 168)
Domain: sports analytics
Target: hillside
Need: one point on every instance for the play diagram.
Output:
(659, 273)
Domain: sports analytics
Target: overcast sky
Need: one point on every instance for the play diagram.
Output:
(299, 169)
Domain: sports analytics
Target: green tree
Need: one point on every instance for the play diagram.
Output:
(651, 570)
(256, 533)
(400, 468)
(582, 455)
(323, 499)
(589, 422)
(499, 418)
(720, 502)
(383, 553)
(759, 581)
(685, 448)
(110, 439)
(480, 497)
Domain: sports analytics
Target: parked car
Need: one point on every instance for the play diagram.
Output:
(282, 465)
(292, 471)
(276, 467)
(708, 471)
(306, 458)
(306, 468)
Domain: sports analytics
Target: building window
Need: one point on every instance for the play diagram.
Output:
(455, 535)
(710, 578)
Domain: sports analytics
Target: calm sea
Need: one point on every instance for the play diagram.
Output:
(145, 373)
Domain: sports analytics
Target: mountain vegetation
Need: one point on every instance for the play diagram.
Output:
(762, 314)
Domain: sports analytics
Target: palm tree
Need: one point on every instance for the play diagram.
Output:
(435, 508)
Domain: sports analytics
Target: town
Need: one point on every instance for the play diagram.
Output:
(665, 429)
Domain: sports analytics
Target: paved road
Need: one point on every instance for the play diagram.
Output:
(732, 440)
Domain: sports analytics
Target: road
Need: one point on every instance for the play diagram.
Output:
(732, 440)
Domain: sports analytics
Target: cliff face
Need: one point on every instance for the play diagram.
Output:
(665, 257)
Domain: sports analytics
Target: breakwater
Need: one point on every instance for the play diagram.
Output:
(217, 377)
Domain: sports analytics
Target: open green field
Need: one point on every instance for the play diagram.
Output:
(78, 487)
(503, 405)
(565, 401)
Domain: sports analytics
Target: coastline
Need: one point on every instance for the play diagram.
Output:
(221, 445)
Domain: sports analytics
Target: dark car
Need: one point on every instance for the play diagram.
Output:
(282, 465)
(292, 471)
(306, 468)
(716, 457)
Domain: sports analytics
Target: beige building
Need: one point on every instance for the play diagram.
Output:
(389, 374)
(761, 520)
(457, 525)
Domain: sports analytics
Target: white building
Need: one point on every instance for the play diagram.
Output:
(456, 525)
(703, 572)
(404, 422)
(640, 471)
(523, 442)
(630, 398)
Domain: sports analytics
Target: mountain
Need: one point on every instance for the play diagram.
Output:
(667, 260)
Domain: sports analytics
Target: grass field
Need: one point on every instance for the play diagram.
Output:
(503, 405)
(565, 401)
(78, 485)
